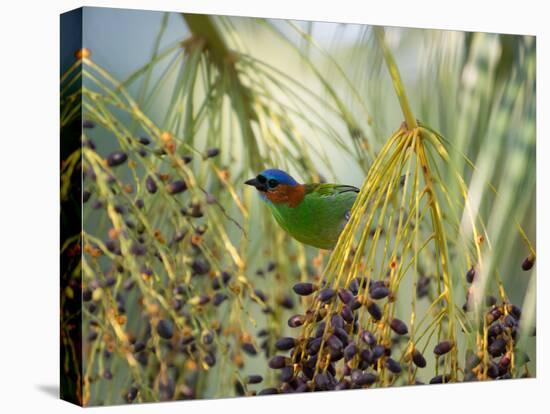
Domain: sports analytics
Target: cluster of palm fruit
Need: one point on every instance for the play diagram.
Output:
(336, 351)
(168, 331)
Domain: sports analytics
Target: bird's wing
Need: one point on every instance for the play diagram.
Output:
(329, 190)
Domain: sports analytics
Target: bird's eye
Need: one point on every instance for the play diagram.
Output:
(272, 183)
(261, 179)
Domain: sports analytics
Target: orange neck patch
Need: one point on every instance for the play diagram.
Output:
(287, 194)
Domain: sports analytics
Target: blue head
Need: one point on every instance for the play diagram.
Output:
(270, 179)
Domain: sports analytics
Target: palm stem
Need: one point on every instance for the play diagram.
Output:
(410, 120)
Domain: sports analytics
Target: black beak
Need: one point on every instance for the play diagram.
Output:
(254, 182)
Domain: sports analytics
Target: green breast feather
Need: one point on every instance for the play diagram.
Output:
(321, 216)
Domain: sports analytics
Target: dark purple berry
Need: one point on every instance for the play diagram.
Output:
(254, 379)
(379, 292)
(377, 352)
(440, 379)
(350, 351)
(493, 370)
(393, 365)
(210, 359)
(144, 140)
(497, 347)
(345, 295)
(269, 391)
(398, 326)
(88, 124)
(374, 311)
(287, 373)
(442, 348)
(335, 343)
(296, 321)
(470, 275)
(285, 344)
(151, 185)
(212, 152)
(369, 338)
(325, 295)
(249, 348)
(176, 187)
(347, 314)
(528, 263)
(277, 362)
(116, 158)
(304, 289)
(165, 329)
(418, 359)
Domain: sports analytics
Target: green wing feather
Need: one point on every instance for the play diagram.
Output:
(321, 216)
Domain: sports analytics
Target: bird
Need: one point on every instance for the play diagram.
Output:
(314, 214)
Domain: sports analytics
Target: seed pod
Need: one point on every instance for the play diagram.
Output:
(528, 263)
(176, 187)
(151, 185)
(296, 321)
(345, 295)
(379, 292)
(393, 365)
(325, 295)
(470, 275)
(304, 289)
(442, 348)
(497, 347)
(374, 311)
(254, 379)
(399, 327)
(418, 359)
(285, 344)
(165, 329)
(116, 158)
